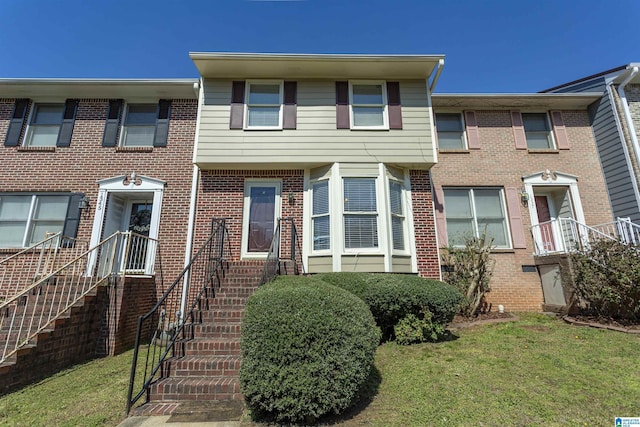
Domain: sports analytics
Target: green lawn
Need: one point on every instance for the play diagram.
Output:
(91, 394)
(535, 372)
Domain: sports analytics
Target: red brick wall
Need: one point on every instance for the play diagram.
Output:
(498, 163)
(78, 167)
(424, 225)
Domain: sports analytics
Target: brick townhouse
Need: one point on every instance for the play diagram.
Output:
(90, 157)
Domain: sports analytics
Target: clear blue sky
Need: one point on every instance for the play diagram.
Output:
(490, 46)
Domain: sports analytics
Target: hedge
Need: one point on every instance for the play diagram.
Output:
(391, 297)
(307, 348)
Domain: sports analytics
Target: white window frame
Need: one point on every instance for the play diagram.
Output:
(121, 142)
(404, 216)
(30, 125)
(552, 140)
(474, 213)
(314, 216)
(385, 105)
(465, 142)
(374, 250)
(28, 231)
(247, 105)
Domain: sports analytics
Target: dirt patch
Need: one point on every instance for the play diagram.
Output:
(602, 323)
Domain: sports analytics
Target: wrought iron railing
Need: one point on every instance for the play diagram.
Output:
(563, 235)
(162, 331)
(36, 307)
(283, 255)
(31, 264)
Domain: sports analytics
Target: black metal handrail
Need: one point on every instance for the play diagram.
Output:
(170, 322)
(273, 263)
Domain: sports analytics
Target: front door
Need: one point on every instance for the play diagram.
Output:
(546, 228)
(262, 201)
(139, 226)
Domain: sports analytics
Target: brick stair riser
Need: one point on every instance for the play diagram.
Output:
(221, 347)
(196, 389)
(219, 316)
(195, 366)
(228, 330)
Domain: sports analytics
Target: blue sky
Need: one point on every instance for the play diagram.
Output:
(490, 46)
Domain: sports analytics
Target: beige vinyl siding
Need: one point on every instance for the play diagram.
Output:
(359, 169)
(316, 140)
(401, 264)
(320, 264)
(363, 263)
(321, 172)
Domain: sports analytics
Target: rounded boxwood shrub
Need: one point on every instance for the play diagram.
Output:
(307, 348)
(391, 297)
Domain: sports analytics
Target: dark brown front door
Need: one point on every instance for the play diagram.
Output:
(262, 211)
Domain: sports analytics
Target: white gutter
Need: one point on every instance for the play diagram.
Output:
(192, 202)
(627, 114)
(437, 76)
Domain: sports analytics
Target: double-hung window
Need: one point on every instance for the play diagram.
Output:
(25, 219)
(264, 105)
(397, 215)
(537, 131)
(44, 126)
(139, 125)
(368, 105)
(320, 218)
(471, 211)
(360, 213)
(450, 131)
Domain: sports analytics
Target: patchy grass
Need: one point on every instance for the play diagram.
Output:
(90, 394)
(538, 371)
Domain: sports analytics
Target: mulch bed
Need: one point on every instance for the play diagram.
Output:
(460, 322)
(602, 323)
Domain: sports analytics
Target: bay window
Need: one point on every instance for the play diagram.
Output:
(320, 216)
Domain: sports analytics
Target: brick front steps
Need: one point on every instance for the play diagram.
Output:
(208, 366)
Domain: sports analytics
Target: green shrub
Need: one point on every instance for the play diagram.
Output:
(307, 348)
(414, 329)
(391, 297)
(607, 280)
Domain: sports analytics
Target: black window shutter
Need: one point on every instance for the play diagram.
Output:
(237, 105)
(342, 105)
(289, 120)
(395, 107)
(162, 124)
(17, 123)
(110, 138)
(72, 221)
(69, 118)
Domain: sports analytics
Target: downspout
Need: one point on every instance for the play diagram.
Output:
(627, 113)
(198, 88)
(430, 87)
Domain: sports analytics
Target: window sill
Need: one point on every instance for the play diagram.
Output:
(37, 149)
(454, 151)
(377, 129)
(542, 151)
(503, 251)
(134, 149)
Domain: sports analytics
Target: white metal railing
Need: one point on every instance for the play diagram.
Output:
(563, 235)
(36, 307)
(26, 267)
